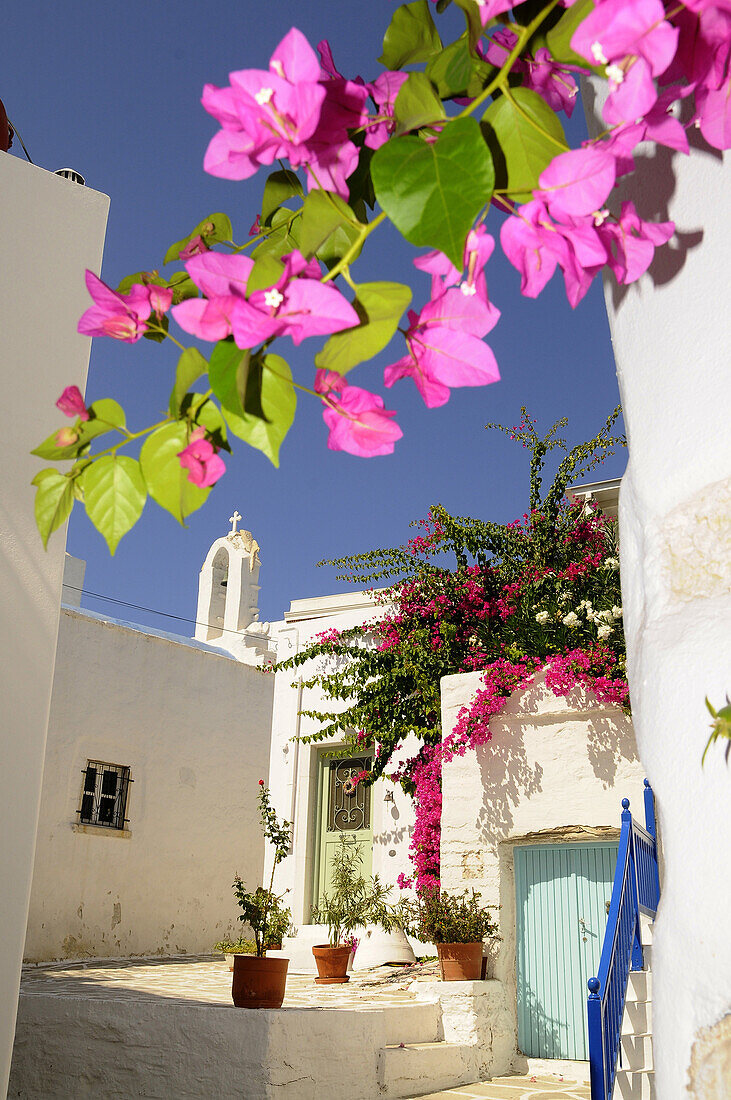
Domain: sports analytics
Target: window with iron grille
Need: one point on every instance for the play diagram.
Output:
(104, 794)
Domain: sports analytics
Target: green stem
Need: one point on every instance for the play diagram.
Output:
(130, 436)
(500, 81)
(365, 231)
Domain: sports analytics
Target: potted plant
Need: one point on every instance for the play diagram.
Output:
(235, 947)
(258, 981)
(457, 924)
(352, 900)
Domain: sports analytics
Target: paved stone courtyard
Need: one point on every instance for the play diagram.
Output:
(207, 981)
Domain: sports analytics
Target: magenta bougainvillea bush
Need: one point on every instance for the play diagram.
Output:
(451, 141)
(539, 595)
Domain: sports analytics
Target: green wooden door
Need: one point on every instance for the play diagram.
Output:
(561, 896)
(344, 810)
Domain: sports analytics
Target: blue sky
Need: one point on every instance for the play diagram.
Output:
(114, 91)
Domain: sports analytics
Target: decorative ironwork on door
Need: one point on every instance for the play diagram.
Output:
(350, 802)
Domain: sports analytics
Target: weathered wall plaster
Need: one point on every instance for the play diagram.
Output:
(51, 229)
(555, 769)
(671, 334)
(193, 727)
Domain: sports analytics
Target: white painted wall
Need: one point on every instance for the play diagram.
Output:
(293, 766)
(193, 728)
(552, 763)
(51, 229)
(671, 334)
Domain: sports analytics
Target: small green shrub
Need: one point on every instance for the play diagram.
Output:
(437, 917)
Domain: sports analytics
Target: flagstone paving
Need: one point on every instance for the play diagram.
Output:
(537, 1087)
(208, 981)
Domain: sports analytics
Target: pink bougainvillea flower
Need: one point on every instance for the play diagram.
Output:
(121, 316)
(265, 114)
(636, 43)
(200, 459)
(578, 182)
(617, 30)
(297, 307)
(631, 243)
(222, 278)
(541, 74)
(358, 421)
(479, 247)
(194, 247)
(71, 403)
(383, 91)
(161, 298)
(536, 244)
(490, 8)
(66, 437)
(445, 349)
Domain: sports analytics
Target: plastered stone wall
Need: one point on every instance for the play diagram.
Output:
(555, 770)
(51, 229)
(193, 728)
(293, 766)
(671, 334)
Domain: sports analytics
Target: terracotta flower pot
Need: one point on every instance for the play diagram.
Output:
(258, 983)
(332, 964)
(460, 962)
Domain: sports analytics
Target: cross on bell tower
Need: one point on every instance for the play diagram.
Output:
(234, 520)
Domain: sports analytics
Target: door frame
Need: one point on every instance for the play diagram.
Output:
(322, 754)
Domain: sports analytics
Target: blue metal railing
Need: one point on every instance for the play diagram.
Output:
(636, 890)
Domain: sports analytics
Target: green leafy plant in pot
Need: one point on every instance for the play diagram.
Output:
(352, 900)
(258, 981)
(457, 924)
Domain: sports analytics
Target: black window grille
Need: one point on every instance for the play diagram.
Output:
(104, 794)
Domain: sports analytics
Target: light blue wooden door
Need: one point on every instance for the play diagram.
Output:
(561, 896)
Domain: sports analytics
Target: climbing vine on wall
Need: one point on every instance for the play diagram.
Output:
(540, 594)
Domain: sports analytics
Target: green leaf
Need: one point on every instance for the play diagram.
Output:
(520, 151)
(228, 371)
(214, 228)
(279, 187)
(267, 271)
(191, 365)
(457, 72)
(473, 19)
(201, 409)
(167, 481)
(53, 503)
(416, 104)
(328, 228)
(114, 495)
(433, 192)
(380, 307)
(269, 386)
(104, 416)
(411, 36)
(360, 184)
(559, 37)
(153, 334)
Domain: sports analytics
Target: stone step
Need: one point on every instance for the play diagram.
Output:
(647, 925)
(637, 1052)
(647, 955)
(640, 985)
(417, 1069)
(632, 1084)
(637, 1019)
(416, 1023)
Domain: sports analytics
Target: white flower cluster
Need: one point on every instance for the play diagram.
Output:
(542, 617)
(611, 563)
(571, 620)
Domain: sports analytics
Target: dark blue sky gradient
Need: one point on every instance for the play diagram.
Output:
(113, 91)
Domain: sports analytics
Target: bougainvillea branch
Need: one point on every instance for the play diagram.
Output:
(539, 595)
(446, 140)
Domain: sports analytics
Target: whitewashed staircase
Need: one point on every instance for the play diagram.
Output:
(635, 1078)
(415, 1059)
